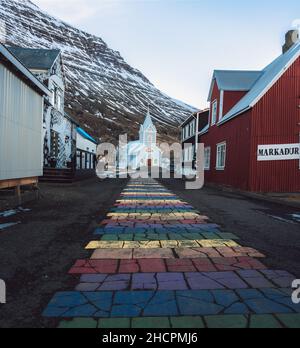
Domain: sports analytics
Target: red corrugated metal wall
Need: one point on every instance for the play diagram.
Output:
(236, 133)
(275, 120)
(230, 99)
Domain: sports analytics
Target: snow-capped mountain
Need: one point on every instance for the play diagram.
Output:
(105, 94)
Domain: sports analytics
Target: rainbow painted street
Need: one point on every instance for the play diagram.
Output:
(156, 262)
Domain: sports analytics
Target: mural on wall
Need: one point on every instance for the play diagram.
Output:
(59, 138)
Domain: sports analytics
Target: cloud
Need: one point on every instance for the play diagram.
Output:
(76, 11)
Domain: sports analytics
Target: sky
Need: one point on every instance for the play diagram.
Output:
(178, 43)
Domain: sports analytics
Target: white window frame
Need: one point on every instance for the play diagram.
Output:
(189, 130)
(219, 146)
(188, 152)
(221, 106)
(214, 112)
(207, 157)
(193, 127)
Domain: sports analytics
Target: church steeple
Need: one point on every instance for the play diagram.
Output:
(148, 130)
(148, 120)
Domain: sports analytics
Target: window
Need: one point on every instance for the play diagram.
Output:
(214, 109)
(88, 161)
(189, 130)
(207, 158)
(221, 156)
(78, 161)
(191, 154)
(59, 102)
(193, 128)
(221, 105)
(188, 153)
(57, 98)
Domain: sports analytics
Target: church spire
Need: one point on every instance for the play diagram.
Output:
(148, 131)
(148, 120)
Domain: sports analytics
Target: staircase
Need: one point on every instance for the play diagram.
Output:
(59, 176)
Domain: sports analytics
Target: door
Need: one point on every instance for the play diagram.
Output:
(149, 162)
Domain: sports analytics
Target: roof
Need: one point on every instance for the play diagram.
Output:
(234, 80)
(270, 75)
(41, 59)
(202, 113)
(188, 119)
(85, 135)
(22, 70)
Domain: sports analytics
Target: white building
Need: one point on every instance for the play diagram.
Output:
(143, 152)
(21, 118)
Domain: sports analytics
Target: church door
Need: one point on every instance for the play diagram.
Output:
(149, 162)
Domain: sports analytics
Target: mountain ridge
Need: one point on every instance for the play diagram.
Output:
(103, 92)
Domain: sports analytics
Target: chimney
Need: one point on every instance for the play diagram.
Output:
(291, 37)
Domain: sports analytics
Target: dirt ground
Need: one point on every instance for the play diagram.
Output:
(37, 254)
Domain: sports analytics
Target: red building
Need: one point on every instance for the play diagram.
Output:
(252, 138)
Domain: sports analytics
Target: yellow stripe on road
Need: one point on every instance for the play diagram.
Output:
(205, 243)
